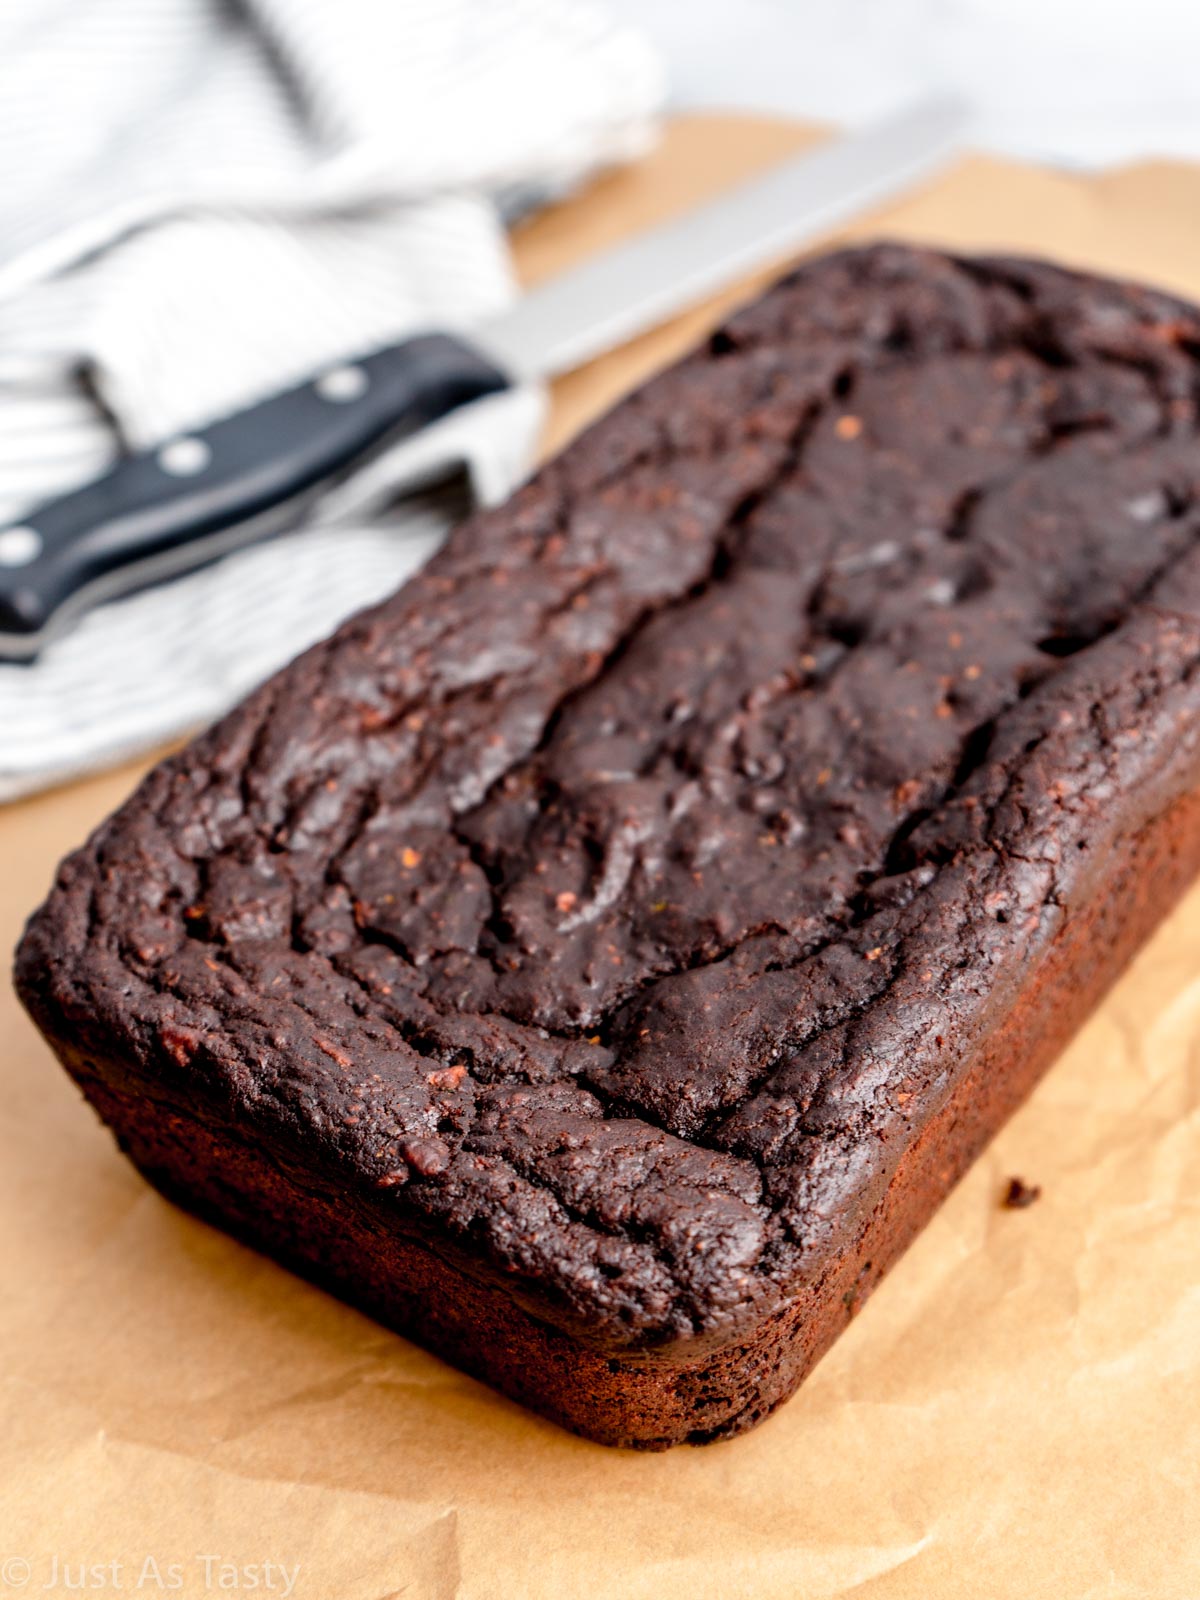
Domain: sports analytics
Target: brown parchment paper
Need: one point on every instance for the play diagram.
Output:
(1016, 1412)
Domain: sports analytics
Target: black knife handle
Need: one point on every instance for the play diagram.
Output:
(164, 510)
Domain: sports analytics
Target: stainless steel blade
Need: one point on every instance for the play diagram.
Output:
(614, 296)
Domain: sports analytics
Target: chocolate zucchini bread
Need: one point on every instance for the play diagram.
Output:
(600, 959)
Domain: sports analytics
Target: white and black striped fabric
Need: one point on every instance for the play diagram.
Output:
(204, 201)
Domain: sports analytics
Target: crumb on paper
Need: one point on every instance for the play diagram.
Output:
(1020, 1194)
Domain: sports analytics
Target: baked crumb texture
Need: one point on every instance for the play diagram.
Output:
(599, 959)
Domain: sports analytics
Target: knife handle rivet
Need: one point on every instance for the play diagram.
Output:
(341, 384)
(19, 546)
(184, 458)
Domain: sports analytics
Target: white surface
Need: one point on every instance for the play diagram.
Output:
(1073, 81)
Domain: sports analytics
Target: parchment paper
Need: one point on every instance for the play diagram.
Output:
(1016, 1412)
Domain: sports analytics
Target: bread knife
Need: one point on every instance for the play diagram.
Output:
(162, 512)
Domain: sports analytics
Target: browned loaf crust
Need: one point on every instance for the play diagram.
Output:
(599, 959)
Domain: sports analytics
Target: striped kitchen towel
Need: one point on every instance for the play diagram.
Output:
(205, 201)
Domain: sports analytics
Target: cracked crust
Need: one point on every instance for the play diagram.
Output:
(612, 914)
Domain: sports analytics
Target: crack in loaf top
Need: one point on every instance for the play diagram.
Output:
(617, 900)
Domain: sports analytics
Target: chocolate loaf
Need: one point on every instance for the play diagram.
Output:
(600, 959)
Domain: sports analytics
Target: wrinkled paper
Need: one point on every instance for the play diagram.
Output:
(1015, 1413)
